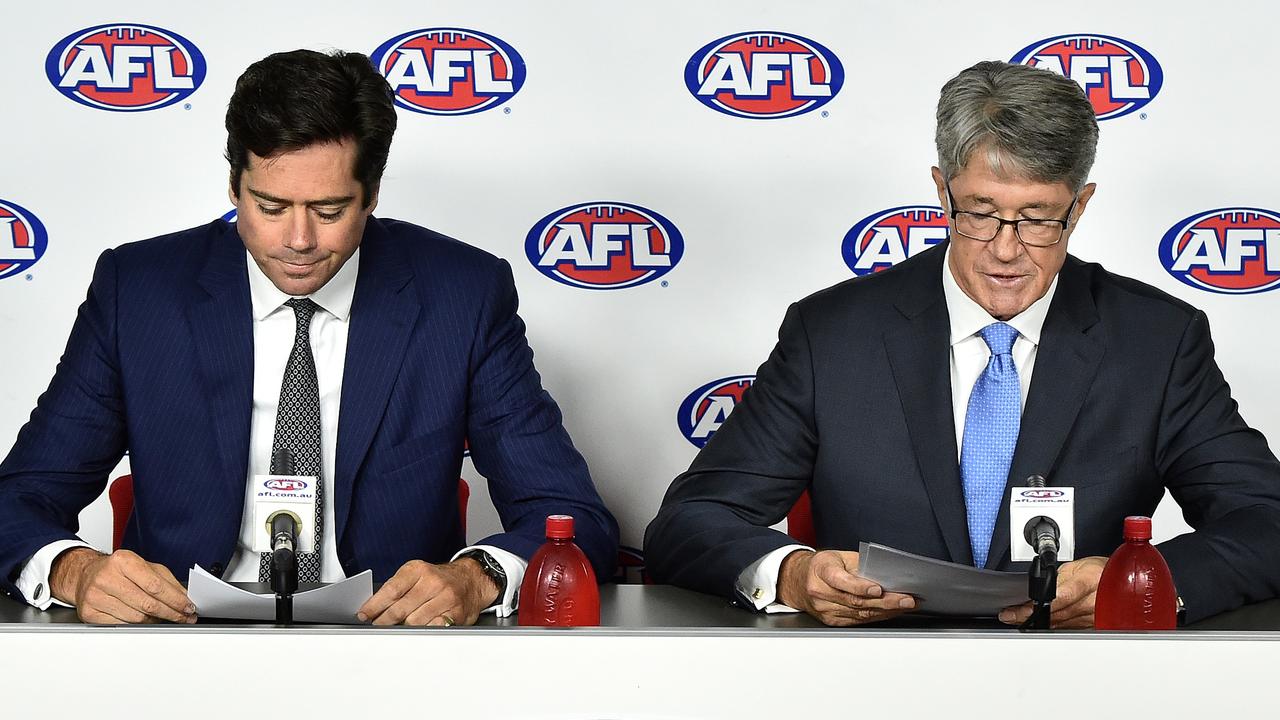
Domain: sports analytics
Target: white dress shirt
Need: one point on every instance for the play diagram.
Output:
(274, 326)
(969, 357)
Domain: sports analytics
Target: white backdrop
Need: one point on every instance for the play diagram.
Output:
(604, 113)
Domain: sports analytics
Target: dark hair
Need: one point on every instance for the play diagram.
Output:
(288, 101)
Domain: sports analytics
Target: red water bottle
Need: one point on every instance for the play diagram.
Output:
(1136, 590)
(559, 587)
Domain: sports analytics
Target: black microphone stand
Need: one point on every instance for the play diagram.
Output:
(284, 538)
(1042, 588)
(284, 566)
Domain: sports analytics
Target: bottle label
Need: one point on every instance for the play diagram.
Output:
(551, 605)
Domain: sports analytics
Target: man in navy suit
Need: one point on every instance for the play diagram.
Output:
(908, 403)
(395, 344)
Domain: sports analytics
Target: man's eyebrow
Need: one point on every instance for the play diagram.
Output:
(337, 200)
(985, 200)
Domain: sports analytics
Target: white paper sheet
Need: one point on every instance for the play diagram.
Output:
(940, 587)
(333, 604)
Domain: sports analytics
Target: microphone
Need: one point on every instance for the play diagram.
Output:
(1041, 532)
(282, 496)
(1041, 519)
(1039, 510)
(283, 462)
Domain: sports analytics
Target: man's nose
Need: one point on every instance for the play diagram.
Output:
(1006, 246)
(300, 233)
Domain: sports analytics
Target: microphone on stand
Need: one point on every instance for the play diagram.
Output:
(283, 527)
(1042, 533)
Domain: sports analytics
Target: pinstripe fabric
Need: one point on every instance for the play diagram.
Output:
(160, 362)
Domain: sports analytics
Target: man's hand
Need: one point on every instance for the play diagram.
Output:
(424, 594)
(826, 586)
(1077, 588)
(118, 588)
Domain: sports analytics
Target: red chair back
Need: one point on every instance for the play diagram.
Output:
(800, 521)
(121, 496)
(120, 493)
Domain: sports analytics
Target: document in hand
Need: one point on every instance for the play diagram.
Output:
(941, 587)
(335, 604)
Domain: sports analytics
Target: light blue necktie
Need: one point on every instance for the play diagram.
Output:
(990, 435)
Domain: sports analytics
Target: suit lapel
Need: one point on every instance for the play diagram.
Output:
(1066, 364)
(919, 352)
(221, 324)
(383, 312)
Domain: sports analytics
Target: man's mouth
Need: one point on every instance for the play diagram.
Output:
(297, 267)
(1006, 279)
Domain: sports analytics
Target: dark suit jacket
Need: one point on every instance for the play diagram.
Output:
(160, 362)
(855, 404)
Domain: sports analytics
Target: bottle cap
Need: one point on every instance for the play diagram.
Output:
(560, 527)
(1137, 527)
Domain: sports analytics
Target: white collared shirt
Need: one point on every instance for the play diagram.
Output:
(274, 326)
(969, 357)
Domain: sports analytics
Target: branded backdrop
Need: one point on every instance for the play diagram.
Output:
(664, 177)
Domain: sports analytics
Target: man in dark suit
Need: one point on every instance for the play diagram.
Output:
(395, 344)
(905, 402)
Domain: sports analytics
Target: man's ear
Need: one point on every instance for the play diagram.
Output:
(942, 187)
(1086, 193)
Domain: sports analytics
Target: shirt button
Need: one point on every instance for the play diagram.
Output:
(40, 591)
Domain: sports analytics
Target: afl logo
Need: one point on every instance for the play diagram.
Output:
(1042, 494)
(125, 67)
(1117, 75)
(705, 410)
(449, 71)
(604, 245)
(888, 237)
(285, 485)
(22, 239)
(764, 75)
(1229, 250)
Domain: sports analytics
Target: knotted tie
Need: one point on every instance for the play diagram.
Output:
(298, 430)
(990, 435)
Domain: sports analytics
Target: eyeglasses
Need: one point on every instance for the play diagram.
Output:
(1030, 231)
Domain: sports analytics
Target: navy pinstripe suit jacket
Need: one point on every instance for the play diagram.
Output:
(160, 362)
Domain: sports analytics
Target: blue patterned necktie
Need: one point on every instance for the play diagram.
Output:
(990, 435)
(298, 430)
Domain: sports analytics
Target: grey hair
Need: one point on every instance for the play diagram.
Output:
(1030, 122)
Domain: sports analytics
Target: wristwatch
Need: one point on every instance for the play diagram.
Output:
(491, 567)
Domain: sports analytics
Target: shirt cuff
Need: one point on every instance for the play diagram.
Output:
(758, 583)
(513, 565)
(33, 581)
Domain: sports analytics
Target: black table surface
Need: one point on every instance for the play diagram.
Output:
(657, 607)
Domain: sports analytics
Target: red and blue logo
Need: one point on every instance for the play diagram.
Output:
(764, 75)
(22, 239)
(1118, 76)
(125, 67)
(1235, 251)
(604, 245)
(285, 485)
(705, 410)
(888, 237)
(450, 71)
(1042, 494)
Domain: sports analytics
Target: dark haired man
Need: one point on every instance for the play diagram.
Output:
(904, 402)
(395, 344)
